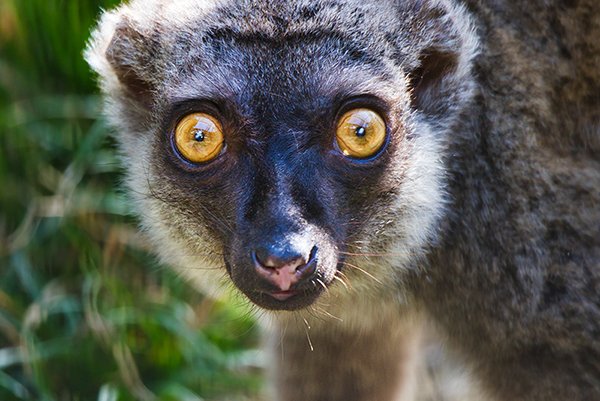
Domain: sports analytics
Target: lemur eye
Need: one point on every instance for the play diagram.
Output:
(199, 137)
(360, 133)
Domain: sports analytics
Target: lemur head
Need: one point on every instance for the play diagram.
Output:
(284, 142)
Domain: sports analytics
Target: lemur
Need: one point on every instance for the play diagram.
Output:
(357, 167)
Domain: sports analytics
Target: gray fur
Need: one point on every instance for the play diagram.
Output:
(486, 221)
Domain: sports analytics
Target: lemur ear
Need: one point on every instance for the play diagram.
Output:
(433, 79)
(126, 53)
(439, 64)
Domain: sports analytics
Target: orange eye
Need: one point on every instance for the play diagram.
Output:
(360, 133)
(199, 137)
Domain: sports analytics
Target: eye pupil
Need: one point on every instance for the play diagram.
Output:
(361, 132)
(199, 136)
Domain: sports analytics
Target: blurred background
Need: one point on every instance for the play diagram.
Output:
(86, 312)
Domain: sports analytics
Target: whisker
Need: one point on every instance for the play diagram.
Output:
(362, 270)
(282, 338)
(322, 285)
(335, 277)
(370, 254)
(307, 328)
(315, 313)
(324, 311)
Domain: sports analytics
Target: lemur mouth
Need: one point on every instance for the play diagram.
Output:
(282, 295)
(289, 300)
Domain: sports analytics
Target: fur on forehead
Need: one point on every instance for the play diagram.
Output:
(136, 44)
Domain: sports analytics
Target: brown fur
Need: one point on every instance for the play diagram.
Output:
(484, 218)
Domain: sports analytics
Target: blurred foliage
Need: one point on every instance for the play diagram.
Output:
(85, 312)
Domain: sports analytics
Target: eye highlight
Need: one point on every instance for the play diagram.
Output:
(360, 133)
(199, 137)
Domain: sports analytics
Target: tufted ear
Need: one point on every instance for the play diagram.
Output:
(433, 79)
(128, 53)
(124, 58)
(437, 46)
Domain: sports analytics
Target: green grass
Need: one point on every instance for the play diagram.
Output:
(85, 312)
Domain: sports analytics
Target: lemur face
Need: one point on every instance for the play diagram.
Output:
(283, 161)
(295, 152)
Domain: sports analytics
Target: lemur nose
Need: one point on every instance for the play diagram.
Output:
(284, 267)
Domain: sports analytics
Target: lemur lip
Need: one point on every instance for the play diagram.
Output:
(289, 300)
(283, 295)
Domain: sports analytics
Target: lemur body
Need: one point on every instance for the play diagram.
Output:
(480, 208)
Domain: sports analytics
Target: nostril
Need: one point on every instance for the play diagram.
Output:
(262, 261)
(267, 259)
(313, 254)
(310, 265)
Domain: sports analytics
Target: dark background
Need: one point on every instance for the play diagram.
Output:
(86, 313)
